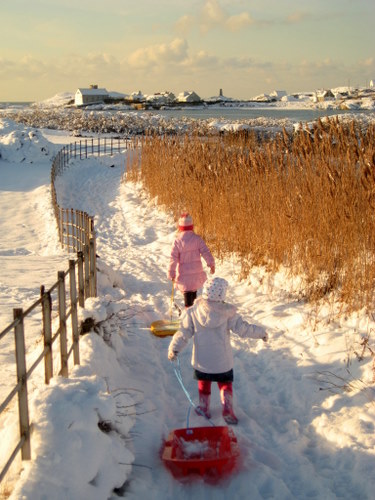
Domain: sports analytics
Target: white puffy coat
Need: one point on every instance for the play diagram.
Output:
(210, 323)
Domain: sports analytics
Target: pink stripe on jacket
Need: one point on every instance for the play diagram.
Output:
(185, 265)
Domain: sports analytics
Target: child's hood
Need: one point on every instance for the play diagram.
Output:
(185, 237)
(212, 314)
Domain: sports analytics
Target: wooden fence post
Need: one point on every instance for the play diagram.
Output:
(81, 233)
(68, 227)
(62, 315)
(23, 408)
(92, 268)
(86, 259)
(93, 277)
(87, 229)
(47, 333)
(73, 309)
(81, 281)
(73, 231)
(61, 226)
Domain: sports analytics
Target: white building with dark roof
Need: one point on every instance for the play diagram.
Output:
(91, 95)
(188, 96)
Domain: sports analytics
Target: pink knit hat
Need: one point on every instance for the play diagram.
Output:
(185, 222)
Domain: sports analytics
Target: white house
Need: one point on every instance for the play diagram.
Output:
(161, 98)
(278, 94)
(323, 95)
(92, 95)
(372, 83)
(188, 96)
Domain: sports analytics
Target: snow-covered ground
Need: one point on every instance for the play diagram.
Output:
(306, 404)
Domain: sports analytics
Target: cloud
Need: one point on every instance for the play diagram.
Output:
(175, 51)
(212, 16)
(184, 24)
(23, 68)
(201, 60)
(238, 22)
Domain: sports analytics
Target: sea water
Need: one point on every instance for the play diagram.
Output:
(245, 113)
(227, 112)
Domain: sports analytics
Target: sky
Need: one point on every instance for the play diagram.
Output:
(243, 47)
(305, 401)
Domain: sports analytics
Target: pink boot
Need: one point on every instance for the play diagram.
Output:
(226, 397)
(204, 405)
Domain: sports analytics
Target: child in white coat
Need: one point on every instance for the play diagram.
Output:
(209, 322)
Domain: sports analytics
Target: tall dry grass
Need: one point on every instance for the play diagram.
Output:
(304, 200)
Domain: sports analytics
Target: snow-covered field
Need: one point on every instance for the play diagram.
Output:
(306, 403)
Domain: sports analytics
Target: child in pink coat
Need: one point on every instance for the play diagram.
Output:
(209, 322)
(185, 264)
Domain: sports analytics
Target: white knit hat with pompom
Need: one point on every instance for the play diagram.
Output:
(185, 222)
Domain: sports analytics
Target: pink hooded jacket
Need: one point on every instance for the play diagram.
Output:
(185, 265)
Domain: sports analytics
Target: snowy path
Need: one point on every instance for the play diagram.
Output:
(292, 441)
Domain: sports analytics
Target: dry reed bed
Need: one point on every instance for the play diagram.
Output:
(304, 200)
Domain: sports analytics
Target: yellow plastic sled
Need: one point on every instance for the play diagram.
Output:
(165, 327)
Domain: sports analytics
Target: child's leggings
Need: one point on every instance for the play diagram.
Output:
(204, 386)
(189, 298)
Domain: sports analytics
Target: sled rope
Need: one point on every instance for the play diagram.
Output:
(172, 298)
(178, 374)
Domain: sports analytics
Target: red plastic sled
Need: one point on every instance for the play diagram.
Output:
(211, 451)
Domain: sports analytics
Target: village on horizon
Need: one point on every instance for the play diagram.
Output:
(93, 95)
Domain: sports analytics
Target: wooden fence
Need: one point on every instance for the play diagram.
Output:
(76, 233)
(78, 284)
(76, 228)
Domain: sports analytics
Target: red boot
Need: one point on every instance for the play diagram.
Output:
(204, 390)
(226, 396)
(204, 405)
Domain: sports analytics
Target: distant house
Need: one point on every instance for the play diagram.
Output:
(305, 96)
(278, 94)
(161, 98)
(262, 98)
(117, 96)
(188, 96)
(372, 83)
(322, 95)
(92, 95)
(289, 98)
(340, 94)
